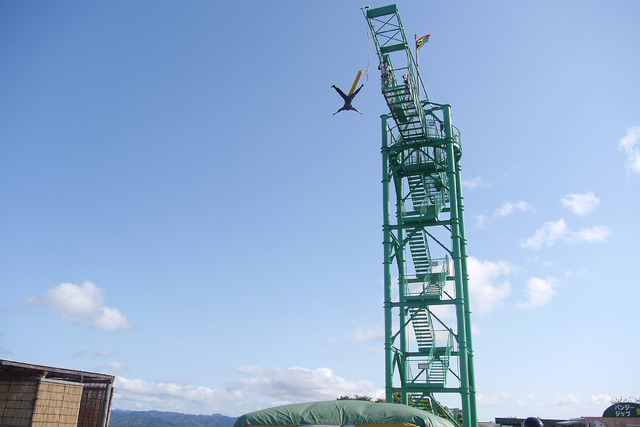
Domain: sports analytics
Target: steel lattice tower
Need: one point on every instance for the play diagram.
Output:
(425, 268)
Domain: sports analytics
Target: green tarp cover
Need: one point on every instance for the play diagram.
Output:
(341, 413)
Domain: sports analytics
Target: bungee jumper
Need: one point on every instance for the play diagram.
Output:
(348, 99)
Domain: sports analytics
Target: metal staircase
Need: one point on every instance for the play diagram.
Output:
(421, 151)
(404, 103)
(423, 329)
(420, 253)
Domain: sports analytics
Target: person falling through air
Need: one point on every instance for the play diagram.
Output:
(347, 99)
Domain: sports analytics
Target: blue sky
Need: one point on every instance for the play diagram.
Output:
(182, 210)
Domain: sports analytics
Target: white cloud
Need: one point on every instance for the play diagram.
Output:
(81, 304)
(508, 208)
(547, 235)
(552, 232)
(504, 210)
(569, 274)
(117, 367)
(494, 400)
(300, 384)
(547, 400)
(539, 291)
(368, 335)
(176, 396)
(482, 221)
(600, 399)
(553, 400)
(487, 288)
(581, 204)
(276, 386)
(630, 145)
(593, 234)
(476, 182)
(360, 335)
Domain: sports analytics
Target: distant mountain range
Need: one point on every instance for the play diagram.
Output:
(120, 418)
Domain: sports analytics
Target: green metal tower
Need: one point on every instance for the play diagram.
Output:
(427, 353)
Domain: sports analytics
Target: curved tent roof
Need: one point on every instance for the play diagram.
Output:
(342, 413)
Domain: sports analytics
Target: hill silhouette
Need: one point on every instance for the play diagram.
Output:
(122, 418)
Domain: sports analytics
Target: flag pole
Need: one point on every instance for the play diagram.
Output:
(415, 36)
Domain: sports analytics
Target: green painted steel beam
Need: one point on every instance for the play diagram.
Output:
(436, 389)
(381, 11)
(393, 48)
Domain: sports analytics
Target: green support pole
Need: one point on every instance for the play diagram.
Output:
(465, 277)
(457, 243)
(388, 252)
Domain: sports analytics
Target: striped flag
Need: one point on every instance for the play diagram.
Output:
(421, 41)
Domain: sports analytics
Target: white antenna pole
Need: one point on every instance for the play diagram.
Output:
(415, 36)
